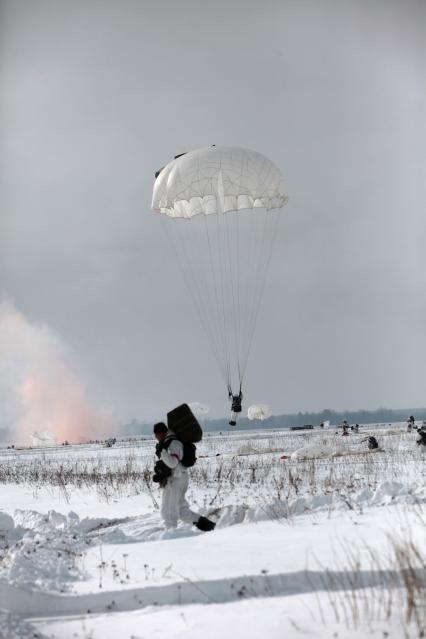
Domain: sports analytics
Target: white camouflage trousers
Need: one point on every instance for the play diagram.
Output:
(173, 503)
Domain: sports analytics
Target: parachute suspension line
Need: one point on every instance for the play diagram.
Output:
(253, 258)
(271, 238)
(205, 291)
(201, 288)
(232, 238)
(269, 252)
(249, 270)
(219, 212)
(239, 284)
(209, 322)
(263, 224)
(258, 283)
(233, 286)
(191, 285)
(221, 260)
(219, 316)
(224, 243)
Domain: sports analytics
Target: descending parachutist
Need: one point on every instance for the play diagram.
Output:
(235, 407)
(229, 195)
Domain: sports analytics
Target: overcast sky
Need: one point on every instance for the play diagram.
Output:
(96, 95)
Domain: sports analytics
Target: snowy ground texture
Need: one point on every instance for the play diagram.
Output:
(316, 536)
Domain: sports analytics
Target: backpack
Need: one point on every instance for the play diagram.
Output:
(189, 451)
(183, 423)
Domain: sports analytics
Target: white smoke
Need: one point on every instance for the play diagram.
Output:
(200, 410)
(43, 440)
(39, 388)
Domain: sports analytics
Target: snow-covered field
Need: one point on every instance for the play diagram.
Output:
(316, 536)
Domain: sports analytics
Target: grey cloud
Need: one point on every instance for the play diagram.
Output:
(95, 96)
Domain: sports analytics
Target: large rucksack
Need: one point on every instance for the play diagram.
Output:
(183, 423)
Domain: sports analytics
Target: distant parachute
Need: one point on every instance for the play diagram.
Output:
(220, 207)
(199, 409)
(43, 439)
(259, 411)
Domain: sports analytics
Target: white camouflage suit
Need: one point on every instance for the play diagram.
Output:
(173, 503)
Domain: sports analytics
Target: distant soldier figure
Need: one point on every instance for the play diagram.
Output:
(421, 440)
(410, 423)
(372, 443)
(345, 428)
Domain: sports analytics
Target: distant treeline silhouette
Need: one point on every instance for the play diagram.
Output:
(379, 416)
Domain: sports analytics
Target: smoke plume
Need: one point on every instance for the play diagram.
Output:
(39, 387)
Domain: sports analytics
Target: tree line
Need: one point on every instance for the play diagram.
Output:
(378, 416)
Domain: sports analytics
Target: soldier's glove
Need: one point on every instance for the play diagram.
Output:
(162, 469)
(161, 473)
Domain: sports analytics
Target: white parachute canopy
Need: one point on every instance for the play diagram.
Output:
(199, 409)
(220, 208)
(319, 450)
(259, 411)
(43, 439)
(217, 179)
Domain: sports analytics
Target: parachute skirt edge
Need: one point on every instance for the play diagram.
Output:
(210, 205)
